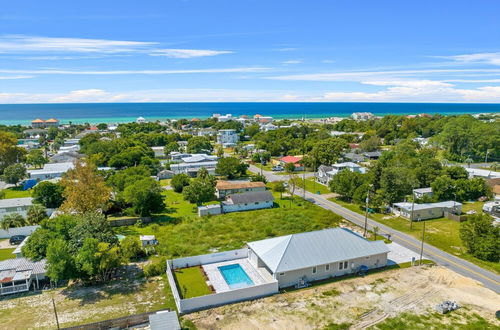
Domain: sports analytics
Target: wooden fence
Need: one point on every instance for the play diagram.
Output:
(458, 218)
(118, 323)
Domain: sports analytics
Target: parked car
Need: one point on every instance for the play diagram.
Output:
(16, 239)
(277, 168)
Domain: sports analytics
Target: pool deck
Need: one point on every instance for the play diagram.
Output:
(218, 282)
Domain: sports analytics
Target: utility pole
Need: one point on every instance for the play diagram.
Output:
(422, 247)
(486, 158)
(55, 312)
(261, 165)
(366, 211)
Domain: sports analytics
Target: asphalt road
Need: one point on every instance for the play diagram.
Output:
(463, 267)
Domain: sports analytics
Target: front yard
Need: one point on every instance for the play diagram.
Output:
(6, 254)
(442, 233)
(16, 192)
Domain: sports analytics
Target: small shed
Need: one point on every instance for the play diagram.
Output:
(147, 240)
(164, 320)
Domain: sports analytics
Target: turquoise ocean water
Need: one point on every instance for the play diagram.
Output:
(11, 114)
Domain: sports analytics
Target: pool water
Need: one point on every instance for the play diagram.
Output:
(235, 276)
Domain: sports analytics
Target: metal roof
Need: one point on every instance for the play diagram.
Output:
(10, 268)
(164, 321)
(407, 205)
(423, 190)
(298, 251)
(250, 197)
(15, 202)
(222, 185)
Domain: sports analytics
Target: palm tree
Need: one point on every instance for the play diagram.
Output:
(12, 220)
(375, 232)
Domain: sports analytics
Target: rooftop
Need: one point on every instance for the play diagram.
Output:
(15, 202)
(291, 159)
(250, 197)
(297, 251)
(407, 205)
(222, 185)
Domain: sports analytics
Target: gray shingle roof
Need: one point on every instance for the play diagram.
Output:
(164, 321)
(251, 197)
(297, 251)
(15, 202)
(22, 264)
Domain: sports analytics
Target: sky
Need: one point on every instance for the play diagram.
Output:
(249, 50)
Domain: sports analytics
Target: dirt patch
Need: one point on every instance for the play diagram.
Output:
(361, 302)
(4, 244)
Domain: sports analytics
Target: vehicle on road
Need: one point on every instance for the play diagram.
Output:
(278, 168)
(16, 239)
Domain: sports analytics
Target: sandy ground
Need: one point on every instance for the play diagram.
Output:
(362, 302)
(4, 244)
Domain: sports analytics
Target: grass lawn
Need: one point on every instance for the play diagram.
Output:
(314, 187)
(182, 233)
(476, 206)
(16, 192)
(6, 254)
(165, 182)
(191, 282)
(441, 233)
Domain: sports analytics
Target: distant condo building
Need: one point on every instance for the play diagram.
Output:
(361, 116)
(140, 120)
(227, 137)
(40, 123)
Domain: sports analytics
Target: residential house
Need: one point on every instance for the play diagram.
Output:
(40, 123)
(297, 259)
(254, 200)
(15, 205)
(426, 211)
(480, 173)
(225, 188)
(193, 163)
(19, 274)
(223, 118)
(372, 155)
(148, 240)
(492, 208)
(51, 171)
(294, 160)
(362, 116)
(52, 122)
(159, 151)
(422, 192)
(268, 127)
(140, 120)
(326, 173)
(354, 157)
(227, 137)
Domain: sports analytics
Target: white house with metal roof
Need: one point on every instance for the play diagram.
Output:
(426, 211)
(15, 205)
(51, 171)
(300, 258)
(17, 275)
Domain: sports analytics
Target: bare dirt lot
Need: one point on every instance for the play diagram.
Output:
(373, 301)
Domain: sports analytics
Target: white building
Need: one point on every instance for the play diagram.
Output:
(227, 137)
(159, 151)
(148, 240)
(225, 188)
(140, 120)
(51, 171)
(193, 163)
(427, 210)
(15, 205)
(20, 274)
(248, 201)
(361, 116)
(480, 173)
(226, 117)
(422, 192)
(326, 173)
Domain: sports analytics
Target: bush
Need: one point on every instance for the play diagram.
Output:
(131, 247)
(179, 181)
(156, 267)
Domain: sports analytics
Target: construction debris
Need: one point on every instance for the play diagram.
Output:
(447, 306)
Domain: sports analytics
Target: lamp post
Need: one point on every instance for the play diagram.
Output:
(366, 210)
(422, 246)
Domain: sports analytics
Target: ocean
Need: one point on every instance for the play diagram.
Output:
(12, 114)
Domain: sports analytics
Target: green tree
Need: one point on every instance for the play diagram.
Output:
(48, 194)
(199, 191)
(199, 144)
(12, 220)
(480, 237)
(280, 188)
(170, 147)
(259, 157)
(2, 194)
(91, 225)
(97, 260)
(36, 158)
(60, 261)
(36, 247)
(443, 188)
(10, 153)
(345, 183)
(145, 196)
(289, 167)
(231, 167)
(328, 151)
(258, 178)
(179, 181)
(397, 182)
(36, 213)
(14, 173)
(131, 247)
(370, 144)
(455, 172)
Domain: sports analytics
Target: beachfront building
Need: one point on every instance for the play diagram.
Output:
(362, 116)
(15, 205)
(40, 123)
(140, 120)
(227, 137)
(263, 267)
(50, 171)
(426, 211)
(225, 188)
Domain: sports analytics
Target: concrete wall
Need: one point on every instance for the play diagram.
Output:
(27, 230)
(291, 278)
(209, 258)
(226, 208)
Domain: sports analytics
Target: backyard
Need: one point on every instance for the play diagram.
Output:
(16, 192)
(442, 233)
(6, 254)
(191, 282)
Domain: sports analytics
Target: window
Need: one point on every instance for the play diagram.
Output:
(256, 203)
(314, 270)
(342, 265)
(345, 264)
(281, 274)
(367, 257)
(327, 267)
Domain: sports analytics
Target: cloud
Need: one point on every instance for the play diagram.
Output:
(24, 44)
(188, 53)
(418, 91)
(328, 61)
(144, 72)
(289, 62)
(486, 58)
(14, 77)
(286, 49)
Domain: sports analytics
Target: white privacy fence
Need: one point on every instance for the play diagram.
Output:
(215, 299)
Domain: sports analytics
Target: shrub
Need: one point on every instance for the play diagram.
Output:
(156, 267)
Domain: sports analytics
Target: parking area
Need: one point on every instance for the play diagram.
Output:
(399, 254)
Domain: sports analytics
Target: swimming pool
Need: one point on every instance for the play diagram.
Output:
(235, 276)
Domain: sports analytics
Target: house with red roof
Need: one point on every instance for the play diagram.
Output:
(294, 160)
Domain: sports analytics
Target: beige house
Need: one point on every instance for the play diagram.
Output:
(225, 188)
